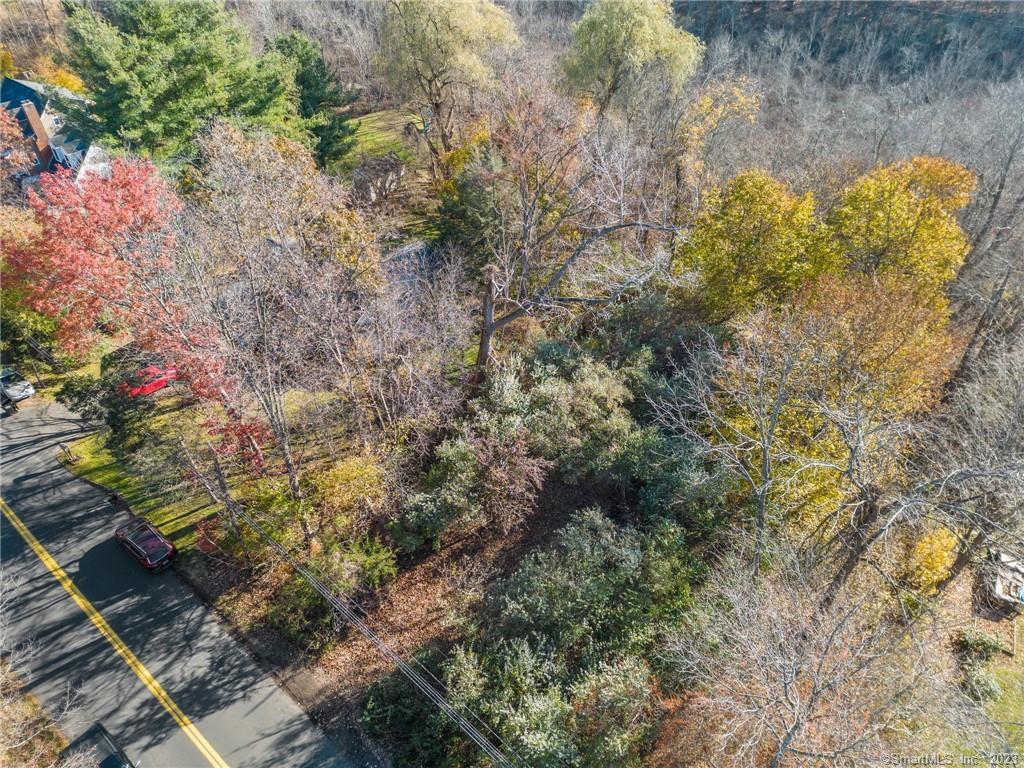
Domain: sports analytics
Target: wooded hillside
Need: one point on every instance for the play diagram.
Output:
(649, 378)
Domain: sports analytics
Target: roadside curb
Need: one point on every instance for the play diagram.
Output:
(285, 676)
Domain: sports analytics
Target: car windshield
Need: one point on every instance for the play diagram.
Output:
(146, 539)
(11, 377)
(97, 749)
(113, 761)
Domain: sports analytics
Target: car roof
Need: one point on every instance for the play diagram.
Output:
(143, 535)
(104, 750)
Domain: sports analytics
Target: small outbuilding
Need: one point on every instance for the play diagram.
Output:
(1005, 579)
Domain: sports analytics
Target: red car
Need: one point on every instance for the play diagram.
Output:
(152, 378)
(146, 544)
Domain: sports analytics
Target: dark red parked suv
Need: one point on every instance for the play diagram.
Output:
(146, 544)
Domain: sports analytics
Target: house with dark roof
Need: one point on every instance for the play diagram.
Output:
(52, 142)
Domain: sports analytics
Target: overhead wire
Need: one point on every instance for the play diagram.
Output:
(381, 630)
(350, 611)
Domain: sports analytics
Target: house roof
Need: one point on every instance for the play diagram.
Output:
(38, 93)
(14, 93)
(29, 102)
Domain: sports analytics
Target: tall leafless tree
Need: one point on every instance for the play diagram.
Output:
(577, 225)
(732, 406)
(781, 682)
(264, 238)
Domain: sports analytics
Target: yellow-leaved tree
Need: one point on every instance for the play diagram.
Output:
(7, 68)
(50, 72)
(929, 559)
(799, 407)
(901, 220)
(618, 42)
(347, 491)
(754, 242)
(704, 126)
(878, 352)
(434, 53)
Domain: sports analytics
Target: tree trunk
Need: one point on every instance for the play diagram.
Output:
(784, 746)
(230, 506)
(762, 505)
(296, 490)
(762, 514)
(983, 230)
(983, 324)
(291, 469)
(483, 354)
(857, 540)
(963, 558)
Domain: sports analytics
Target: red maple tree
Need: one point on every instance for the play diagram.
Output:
(99, 240)
(102, 259)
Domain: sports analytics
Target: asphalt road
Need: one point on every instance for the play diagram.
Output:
(239, 709)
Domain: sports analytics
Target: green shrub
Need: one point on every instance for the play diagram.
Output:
(539, 727)
(486, 474)
(300, 613)
(420, 521)
(503, 405)
(453, 479)
(280, 511)
(515, 688)
(640, 459)
(560, 674)
(603, 590)
(421, 736)
(568, 414)
(578, 420)
(468, 216)
(980, 684)
(973, 649)
(615, 713)
(452, 496)
(973, 646)
(351, 485)
(373, 561)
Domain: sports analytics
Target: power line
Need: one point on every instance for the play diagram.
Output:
(350, 611)
(381, 630)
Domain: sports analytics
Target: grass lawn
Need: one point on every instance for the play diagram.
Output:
(382, 132)
(51, 381)
(175, 513)
(379, 133)
(1008, 709)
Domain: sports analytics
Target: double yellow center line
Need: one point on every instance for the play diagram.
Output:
(123, 650)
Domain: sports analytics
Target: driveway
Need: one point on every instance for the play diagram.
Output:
(190, 682)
